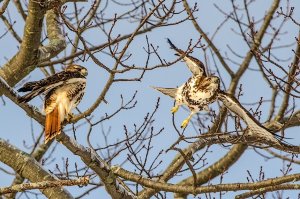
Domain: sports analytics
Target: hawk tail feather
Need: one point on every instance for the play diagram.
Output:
(52, 124)
(167, 91)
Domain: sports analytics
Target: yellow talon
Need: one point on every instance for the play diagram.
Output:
(185, 123)
(174, 109)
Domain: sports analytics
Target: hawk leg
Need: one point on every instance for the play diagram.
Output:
(174, 109)
(187, 120)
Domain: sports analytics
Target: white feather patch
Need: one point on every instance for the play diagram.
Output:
(60, 97)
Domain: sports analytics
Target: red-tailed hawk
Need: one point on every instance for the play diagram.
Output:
(63, 90)
(201, 90)
(198, 92)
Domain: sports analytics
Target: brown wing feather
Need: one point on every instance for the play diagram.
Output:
(234, 105)
(194, 65)
(52, 124)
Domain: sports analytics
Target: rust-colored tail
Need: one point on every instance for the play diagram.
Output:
(52, 124)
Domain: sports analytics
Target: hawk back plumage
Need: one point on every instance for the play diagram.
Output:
(64, 91)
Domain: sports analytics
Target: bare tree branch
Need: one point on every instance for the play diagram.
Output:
(161, 186)
(44, 185)
(29, 168)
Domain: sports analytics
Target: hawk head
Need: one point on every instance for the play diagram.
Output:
(77, 68)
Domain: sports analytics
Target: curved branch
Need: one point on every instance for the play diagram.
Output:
(256, 43)
(161, 186)
(44, 185)
(22, 63)
(268, 189)
(178, 161)
(101, 168)
(4, 6)
(291, 76)
(90, 158)
(31, 53)
(217, 168)
(57, 41)
(29, 168)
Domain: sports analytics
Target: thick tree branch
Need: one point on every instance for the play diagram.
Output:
(93, 161)
(215, 169)
(268, 189)
(29, 168)
(57, 41)
(23, 62)
(290, 81)
(30, 53)
(4, 6)
(161, 186)
(37, 154)
(44, 185)
(90, 158)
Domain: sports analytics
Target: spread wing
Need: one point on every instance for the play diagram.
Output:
(253, 125)
(45, 85)
(195, 65)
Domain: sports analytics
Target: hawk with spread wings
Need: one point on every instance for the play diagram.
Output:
(201, 90)
(198, 92)
(63, 92)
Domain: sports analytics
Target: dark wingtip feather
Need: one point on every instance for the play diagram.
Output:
(30, 96)
(29, 86)
(171, 44)
(173, 47)
(23, 89)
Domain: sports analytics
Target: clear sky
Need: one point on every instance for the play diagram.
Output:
(16, 126)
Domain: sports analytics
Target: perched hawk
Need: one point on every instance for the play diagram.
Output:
(201, 90)
(63, 90)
